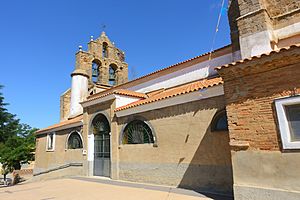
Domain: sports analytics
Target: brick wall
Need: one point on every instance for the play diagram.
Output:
(250, 90)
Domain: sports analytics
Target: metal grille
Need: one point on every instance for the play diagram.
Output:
(102, 146)
(74, 141)
(137, 132)
(101, 130)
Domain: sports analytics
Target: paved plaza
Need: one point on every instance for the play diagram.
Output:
(95, 188)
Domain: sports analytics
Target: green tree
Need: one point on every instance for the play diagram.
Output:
(17, 141)
(8, 123)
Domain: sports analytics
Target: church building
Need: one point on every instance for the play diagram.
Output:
(225, 122)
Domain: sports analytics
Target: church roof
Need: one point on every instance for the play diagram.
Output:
(64, 124)
(176, 91)
(116, 91)
(175, 67)
(246, 60)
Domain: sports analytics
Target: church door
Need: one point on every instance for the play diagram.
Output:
(101, 131)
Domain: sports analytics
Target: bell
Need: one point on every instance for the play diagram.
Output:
(112, 77)
(95, 73)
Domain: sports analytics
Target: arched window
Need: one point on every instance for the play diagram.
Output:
(104, 50)
(75, 141)
(95, 71)
(100, 125)
(137, 132)
(219, 122)
(112, 74)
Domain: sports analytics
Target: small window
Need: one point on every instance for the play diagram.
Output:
(95, 72)
(104, 50)
(137, 132)
(75, 141)
(288, 113)
(219, 122)
(50, 141)
(112, 74)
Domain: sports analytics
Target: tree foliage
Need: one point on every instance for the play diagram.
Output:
(17, 141)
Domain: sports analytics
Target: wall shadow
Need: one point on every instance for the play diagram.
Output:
(210, 170)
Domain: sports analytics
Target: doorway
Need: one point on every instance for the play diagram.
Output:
(101, 131)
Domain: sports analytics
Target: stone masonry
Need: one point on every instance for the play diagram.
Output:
(114, 57)
(254, 24)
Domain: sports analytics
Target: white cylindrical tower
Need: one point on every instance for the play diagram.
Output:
(79, 91)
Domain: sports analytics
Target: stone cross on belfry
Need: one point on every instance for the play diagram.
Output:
(103, 27)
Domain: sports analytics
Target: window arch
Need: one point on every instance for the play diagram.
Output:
(220, 122)
(95, 71)
(75, 141)
(100, 125)
(104, 50)
(112, 74)
(137, 132)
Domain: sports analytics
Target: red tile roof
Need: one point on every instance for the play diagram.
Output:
(61, 124)
(117, 91)
(172, 92)
(216, 53)
(259, 56)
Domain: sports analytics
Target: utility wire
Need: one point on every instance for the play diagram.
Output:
(217, 29)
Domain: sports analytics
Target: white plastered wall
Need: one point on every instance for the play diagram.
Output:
(195, 72)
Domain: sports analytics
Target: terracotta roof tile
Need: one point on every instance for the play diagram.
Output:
(61, 124)
(130, 93)
(172, 92)
(258, 57)
(117, 91)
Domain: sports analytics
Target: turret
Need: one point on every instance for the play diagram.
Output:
(79, 91)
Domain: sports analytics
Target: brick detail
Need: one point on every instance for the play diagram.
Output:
(250, 89)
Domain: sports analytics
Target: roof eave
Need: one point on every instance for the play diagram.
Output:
(208, 92)
(72, 125)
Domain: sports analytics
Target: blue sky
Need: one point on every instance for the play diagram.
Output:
(39, 39)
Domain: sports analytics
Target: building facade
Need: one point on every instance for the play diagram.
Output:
(225, 122)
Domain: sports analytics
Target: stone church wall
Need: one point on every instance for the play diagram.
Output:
(65, 100)
(61, 161)
(187, 154)
(258, 26)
